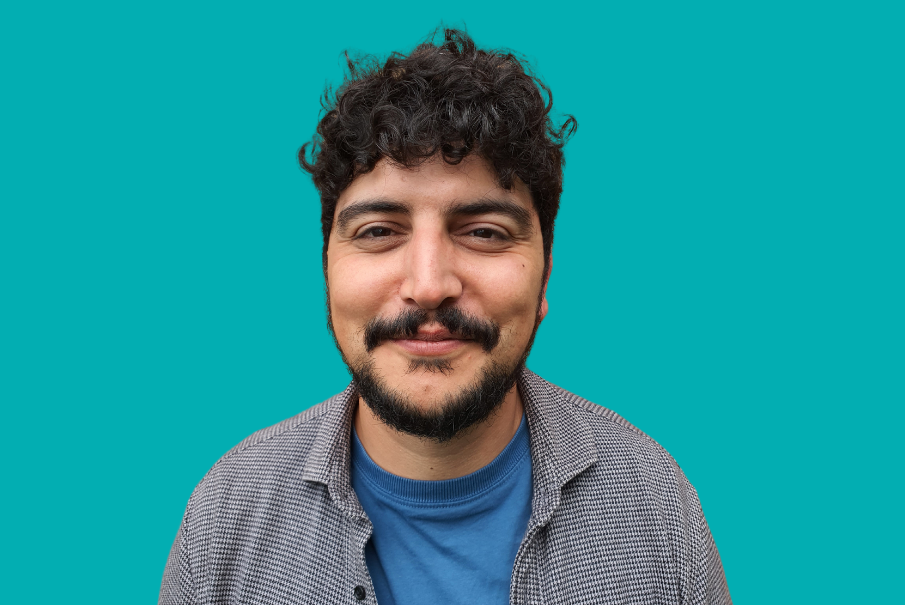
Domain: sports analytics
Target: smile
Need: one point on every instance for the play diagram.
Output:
(431, 343)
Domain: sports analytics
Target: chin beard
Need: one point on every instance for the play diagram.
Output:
(458, 411)
(471, 405)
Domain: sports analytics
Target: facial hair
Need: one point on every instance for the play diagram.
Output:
(459, 411)
(468, 407)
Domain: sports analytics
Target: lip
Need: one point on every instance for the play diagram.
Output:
(430, 348)
(430, 343)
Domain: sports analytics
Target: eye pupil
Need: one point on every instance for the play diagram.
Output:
(380, 232)
(485, 233)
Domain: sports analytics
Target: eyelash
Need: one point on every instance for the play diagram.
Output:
(369, 233)
(494, 234)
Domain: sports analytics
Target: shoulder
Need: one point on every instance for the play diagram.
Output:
(274, 455)
(643, 517)
(632, 480)
(621, 445)
(600, 416)
(299, 430)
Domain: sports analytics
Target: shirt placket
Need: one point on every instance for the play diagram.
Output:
(524, 588)
(361, 588)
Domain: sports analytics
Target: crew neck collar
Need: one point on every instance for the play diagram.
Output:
(446, 491)
(562, 444)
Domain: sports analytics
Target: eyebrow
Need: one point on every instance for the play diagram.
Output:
(520, 215)
(367, 207)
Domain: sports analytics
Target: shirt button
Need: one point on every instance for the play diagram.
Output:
(360, 593)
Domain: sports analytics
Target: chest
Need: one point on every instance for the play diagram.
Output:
(316, 554)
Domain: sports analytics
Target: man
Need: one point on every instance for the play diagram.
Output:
(446, 472)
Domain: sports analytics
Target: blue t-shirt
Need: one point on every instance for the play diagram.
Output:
(451, 541)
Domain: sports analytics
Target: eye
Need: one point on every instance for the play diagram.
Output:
(485, 233)
(485, 239)
(375, 232)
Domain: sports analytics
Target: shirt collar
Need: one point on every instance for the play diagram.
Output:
(562, 445)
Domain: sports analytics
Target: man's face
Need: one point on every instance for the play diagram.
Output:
(434, 276)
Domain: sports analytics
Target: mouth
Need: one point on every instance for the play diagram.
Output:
(431, 342)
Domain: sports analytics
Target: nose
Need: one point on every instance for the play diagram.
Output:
(430, 272)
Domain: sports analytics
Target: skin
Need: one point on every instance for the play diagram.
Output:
(425, 237)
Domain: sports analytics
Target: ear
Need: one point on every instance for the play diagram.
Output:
(544, 307)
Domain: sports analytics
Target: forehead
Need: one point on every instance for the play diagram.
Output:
(433, 185)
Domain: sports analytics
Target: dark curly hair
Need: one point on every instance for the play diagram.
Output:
(453, 99)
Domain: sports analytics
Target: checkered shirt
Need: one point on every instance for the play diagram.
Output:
(614, 520)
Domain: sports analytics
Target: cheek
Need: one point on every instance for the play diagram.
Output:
(357, 294)
(510, 294)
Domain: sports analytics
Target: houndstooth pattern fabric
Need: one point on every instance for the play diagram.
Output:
(614, 520)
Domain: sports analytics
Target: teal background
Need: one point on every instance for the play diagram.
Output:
(728, 269)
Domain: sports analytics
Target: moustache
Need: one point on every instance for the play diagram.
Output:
(460, 324)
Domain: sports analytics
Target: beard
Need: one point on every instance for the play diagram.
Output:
(459, 411)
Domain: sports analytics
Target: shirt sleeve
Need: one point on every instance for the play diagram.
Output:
(177, 587)
(708, 586)
(712, 587)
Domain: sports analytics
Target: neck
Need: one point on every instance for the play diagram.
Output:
(413, 457)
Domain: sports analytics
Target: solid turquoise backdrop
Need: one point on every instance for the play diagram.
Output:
(728, 269)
